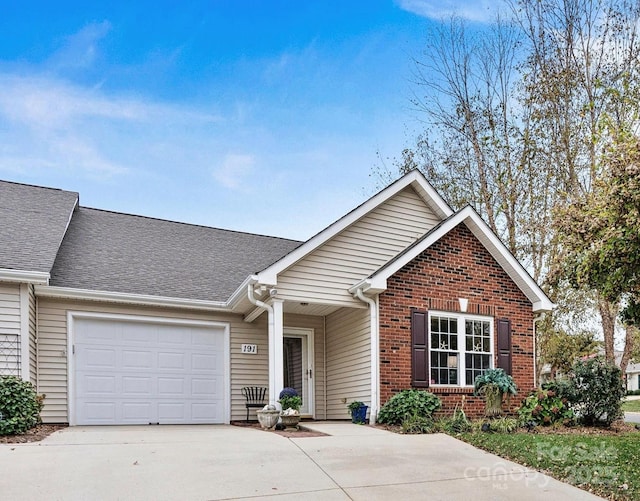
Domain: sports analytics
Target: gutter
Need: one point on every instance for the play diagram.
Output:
(23, 276)
(375, 352)
(119, 297)
(536, 319)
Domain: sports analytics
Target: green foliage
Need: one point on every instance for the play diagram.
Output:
(417, 425)
(406, 404)
(20, 406)
(601, 464)
(290, 402)
(600, 233)
(545, 407)
(457, 423)
(492, 384)
(504, 424)
(497, 378)
(354, 406)
(597, 391)
(560, 349)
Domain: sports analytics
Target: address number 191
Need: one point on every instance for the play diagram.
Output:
(251, 349)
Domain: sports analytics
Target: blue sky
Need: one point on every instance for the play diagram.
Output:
(259, 116)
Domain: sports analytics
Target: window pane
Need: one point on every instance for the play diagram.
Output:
(486, 345)
(453, 342)
(435, 340)
(434, 324)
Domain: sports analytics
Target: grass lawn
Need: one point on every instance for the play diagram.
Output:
(604, 464)
(631, 406)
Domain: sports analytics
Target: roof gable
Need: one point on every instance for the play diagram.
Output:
(377, 282)
(34, 222)
(413, 179)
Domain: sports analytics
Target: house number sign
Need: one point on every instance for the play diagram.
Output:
(252, 349)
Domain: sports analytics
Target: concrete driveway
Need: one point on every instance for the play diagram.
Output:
(227, 462)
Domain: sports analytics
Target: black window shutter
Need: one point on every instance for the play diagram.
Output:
(504, 344)
(419, 349)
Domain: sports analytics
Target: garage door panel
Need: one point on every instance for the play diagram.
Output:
(137, 359)
(98, 385)
(136, 412)
(100, 358)
(148, 373)
(171, 387)
(136, 386)
(172, 361)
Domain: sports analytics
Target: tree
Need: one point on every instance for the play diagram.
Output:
(600, 234)
(514, 122)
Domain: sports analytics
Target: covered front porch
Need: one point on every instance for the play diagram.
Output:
(325, 351)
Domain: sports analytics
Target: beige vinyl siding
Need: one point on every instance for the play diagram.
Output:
(348, 351)
(317, 324)
(10, 323)
(326, 274)
(52, 347)
(33, 356)
(246, 370)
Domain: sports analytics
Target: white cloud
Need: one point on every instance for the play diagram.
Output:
(477, 10)
(80, 49)
(48, 124)
(234, 171)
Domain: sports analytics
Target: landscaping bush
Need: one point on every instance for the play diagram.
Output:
(545, 407)
(20, 406)
(597, 391)
(504, 424)
(633, 392)
(417, 425)
(407, 404)
(457, 423)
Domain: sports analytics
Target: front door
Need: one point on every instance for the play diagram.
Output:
(298, 365)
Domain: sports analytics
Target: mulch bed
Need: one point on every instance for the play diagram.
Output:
(33, 435)
(301, 433)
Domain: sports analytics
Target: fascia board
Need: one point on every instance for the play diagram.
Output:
(269, 276)
(24, 276)
(140, 299)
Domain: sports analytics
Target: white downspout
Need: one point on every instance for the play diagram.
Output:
(375, 362)
(271, 330)
(536, 319)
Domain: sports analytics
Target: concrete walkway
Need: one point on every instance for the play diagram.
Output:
(227, 462)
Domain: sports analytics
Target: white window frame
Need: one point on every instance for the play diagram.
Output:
(461, 351)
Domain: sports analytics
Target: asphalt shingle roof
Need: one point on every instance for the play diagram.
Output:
(116, 252)
(32, 223)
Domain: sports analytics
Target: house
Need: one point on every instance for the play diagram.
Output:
(633, 377)
(124, 319)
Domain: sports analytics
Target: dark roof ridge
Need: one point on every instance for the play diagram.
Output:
(189, 224)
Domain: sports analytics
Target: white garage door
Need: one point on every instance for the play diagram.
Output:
(130, 372)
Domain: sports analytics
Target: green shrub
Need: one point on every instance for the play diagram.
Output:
(598, 391)
(416, 425)
(20, 406)
(457, 423)
(492, 384)
(407, 404)
(504, 424)
(562, 387)
(633, 392)
(545, 407)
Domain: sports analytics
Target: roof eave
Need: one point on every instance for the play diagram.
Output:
(24, 276)
(138, 299)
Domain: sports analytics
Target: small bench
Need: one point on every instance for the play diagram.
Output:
(255, 396)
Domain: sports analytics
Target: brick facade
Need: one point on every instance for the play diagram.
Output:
(457, 266)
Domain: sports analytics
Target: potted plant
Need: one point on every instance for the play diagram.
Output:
(493, 384)
(358, 411)
(291, 403)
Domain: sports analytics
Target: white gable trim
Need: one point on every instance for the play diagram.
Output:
(377, 282)
(415, 179)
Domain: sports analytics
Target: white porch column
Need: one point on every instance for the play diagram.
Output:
(276, 339)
